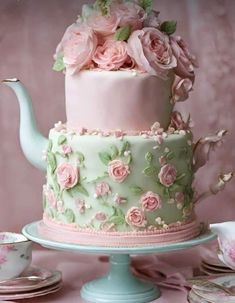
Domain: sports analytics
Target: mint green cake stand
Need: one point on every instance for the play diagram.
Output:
(119, 285)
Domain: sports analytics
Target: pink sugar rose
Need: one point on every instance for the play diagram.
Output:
(185, 61)
(152, 52)
(104, 25)
(150, 201)
(118, 171)
(119, 200)
(51, 198)
(129, 14)
(135, 216)
(181, 88)
(78, 47)
(100, 216)
(102, 189)
(67, 175)
(66, 149)
(112, 55)
(167, 175)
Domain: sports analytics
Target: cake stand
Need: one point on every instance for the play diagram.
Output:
(119, 285)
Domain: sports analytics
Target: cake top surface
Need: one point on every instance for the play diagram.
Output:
(117, 35)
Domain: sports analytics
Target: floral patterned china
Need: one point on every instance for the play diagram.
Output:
(15, 254)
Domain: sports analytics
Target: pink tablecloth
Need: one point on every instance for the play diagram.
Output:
(79, 268)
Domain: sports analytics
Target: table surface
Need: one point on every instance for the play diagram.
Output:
(80, 268)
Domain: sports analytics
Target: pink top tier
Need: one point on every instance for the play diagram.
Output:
(110, 100)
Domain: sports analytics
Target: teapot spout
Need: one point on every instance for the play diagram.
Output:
(31, 140)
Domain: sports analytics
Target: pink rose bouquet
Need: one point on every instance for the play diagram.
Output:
(67, 175)
(118, 171)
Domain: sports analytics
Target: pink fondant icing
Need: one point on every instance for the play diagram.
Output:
(71, 234)
(96, 99)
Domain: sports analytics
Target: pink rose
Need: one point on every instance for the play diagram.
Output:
(104, 25)
(118, 171)
(185, 61)
(181, 88)
(167, 175)
(177, 122)
(153, 20)
(135, 216)
(152, 52)
(129, 14)
(112, 55)
(51, 198)
(150, 201)
(66, 149)
(67, 175)
(80, 204)
(78, 47)
(119, 200)
(102, 189)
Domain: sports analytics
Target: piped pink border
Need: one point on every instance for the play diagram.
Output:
(57, 232)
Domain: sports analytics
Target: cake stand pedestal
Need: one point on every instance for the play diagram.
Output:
(119, 285)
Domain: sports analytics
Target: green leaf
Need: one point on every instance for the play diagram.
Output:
(114, 153)
(102, 6)
(169, 27)
(170, 155)
(56, 187)
(105, 157)
(128, 159)
(59, 63)
(123, 33)
(62, 139)
(136, 189)
(50, 144)
(69, 215)
(80, 156)
(125, 147)
(117, 220)
(149, 157)
(82, 190)
(147, 5)
(149, 171)
(51, 161)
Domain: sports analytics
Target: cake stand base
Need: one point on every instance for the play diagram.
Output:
(119, 285)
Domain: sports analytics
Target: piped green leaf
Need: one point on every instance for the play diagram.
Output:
(69, 215)
(50, 144)
(169, 27)
(59, 63)
(136, 189)
(51, 161)
(62, 139)
(149, 171)
(147, 5)
(114, 152)
(125, 147)
(149, 157)
(123, 33)
(80, 155)
(105, 157)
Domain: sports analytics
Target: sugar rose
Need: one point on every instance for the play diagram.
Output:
(118, 171)
(167, 175)
(152, 52)
(135, 217)
(129, 14)
(78, 47)
(181, 88)
(185, 60)
(112, 55)
(67, 175)
(177, 121)
(105, 25)
(150, 201)
(102, 189)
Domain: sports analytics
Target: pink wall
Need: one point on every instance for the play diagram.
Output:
(29, 32)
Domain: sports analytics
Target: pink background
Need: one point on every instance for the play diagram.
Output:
(29, 33)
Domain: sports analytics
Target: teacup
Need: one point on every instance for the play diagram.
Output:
(15, 254)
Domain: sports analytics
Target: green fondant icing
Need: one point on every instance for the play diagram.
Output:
(93, 148)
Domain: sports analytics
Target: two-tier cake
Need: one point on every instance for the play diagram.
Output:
(120, 170)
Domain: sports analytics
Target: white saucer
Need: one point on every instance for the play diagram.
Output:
(49, 279)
